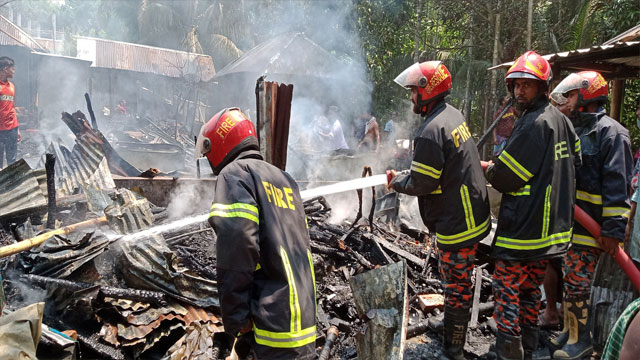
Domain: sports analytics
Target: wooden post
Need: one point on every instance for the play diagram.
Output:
(617, 96)
(475, 308)
(49, 165)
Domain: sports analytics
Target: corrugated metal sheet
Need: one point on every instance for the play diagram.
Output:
(85, 165)
(285, 54)
(142, 58)
(146, 324)
(631, 61)
(12, 34)
(131, 332)
(127, 304)
(629, 35)
(19, 188)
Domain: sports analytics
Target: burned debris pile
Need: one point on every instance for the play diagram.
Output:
(152, 294)
(343, 251)
(105, 273)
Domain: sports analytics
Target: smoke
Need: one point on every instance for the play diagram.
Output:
(26, 293)
(189, 199)
(62, 83)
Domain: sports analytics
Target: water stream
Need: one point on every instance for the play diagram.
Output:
(162, 228)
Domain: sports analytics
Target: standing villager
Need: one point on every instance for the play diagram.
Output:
(339, 142)
(265, 273)
(371, 138)
(390, 130)
(602, 191)
(9, 131)
(535, 174)
(447, 178)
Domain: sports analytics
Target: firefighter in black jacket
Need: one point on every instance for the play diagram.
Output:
(447, 178)
(602, 183)
(535, 174)
(265, 272)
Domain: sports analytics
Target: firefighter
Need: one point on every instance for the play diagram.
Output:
(447, 178)
(602, 191)
(265, 271)
(535, 174)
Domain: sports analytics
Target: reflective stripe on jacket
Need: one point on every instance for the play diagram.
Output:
(264, 264)
(447, 178)
(604, 179)
(536, 174)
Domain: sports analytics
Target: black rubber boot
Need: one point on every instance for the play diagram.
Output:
(508, 347)
(530, 335)
(436, 323)
(557, 342)
(579, 344)
(455, 333)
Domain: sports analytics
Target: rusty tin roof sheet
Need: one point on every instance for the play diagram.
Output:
(630, 61)
(142, 58)
(84, 165)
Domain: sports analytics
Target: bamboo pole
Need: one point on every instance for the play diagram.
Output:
(37, 240)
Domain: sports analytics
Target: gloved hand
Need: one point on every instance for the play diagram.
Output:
(608, 244)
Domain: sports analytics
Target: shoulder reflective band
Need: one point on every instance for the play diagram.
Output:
(590, 198)
(515, 166)
(436, 191)
(533, 244)
(523, 191)
(425, 170)
(615, 211)
(463, 236)
(242, 210)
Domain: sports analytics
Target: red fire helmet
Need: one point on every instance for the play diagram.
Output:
(529, 66)
(432, 79)
(591, 85)
(223, 137)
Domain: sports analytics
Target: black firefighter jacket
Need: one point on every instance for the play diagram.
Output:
(536, 175)
(448, 180)
(264, 264)
(604, 179)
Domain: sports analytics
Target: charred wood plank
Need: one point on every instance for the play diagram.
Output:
(131, 294)
(476, 299)
(417, 329)
(320, 249)
(398, 251)
(49, 166)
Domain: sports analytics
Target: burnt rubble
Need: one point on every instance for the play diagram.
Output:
(91, 285)
(119, 277)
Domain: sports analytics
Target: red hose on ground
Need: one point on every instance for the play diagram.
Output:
(621, 257)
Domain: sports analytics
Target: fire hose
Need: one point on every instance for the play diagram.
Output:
(621, 257)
